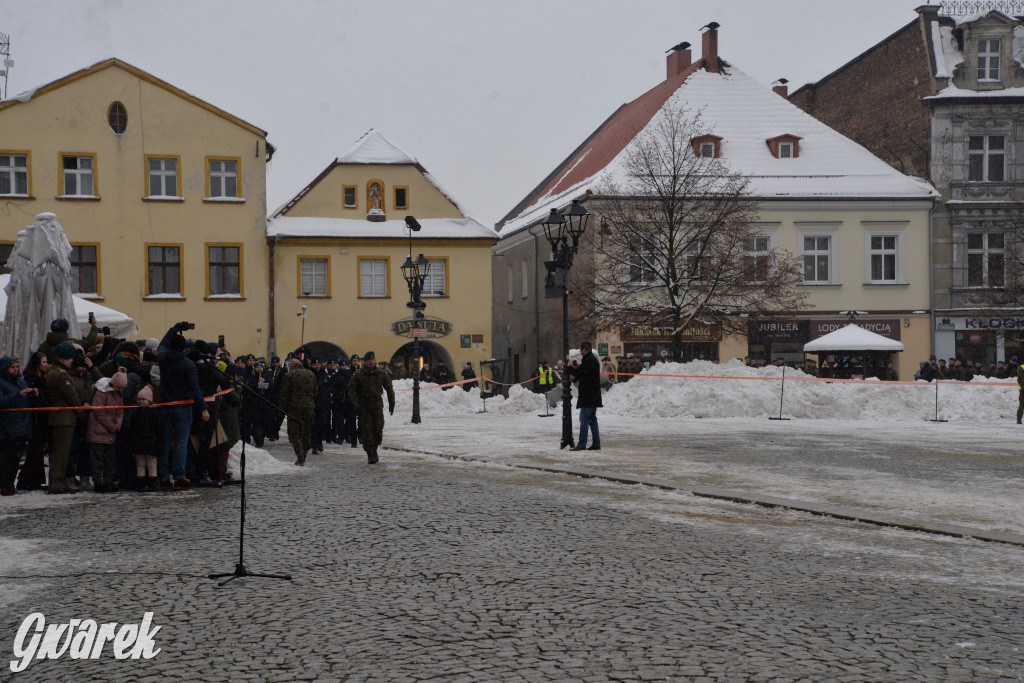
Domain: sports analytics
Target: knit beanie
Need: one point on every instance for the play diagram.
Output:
(65, 350)
(119, 380)
(146, 392)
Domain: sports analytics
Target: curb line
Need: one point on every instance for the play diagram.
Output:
(819, 509)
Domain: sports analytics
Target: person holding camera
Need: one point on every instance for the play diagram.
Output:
(178, 382)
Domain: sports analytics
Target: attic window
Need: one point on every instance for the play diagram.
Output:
(784, 146)
(988, 60)
(707, 146)
(117, 117)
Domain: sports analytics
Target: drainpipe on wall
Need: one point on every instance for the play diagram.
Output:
(931, 276)
(271, 335)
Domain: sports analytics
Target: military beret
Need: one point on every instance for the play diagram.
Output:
(369, 355)
(65, 350)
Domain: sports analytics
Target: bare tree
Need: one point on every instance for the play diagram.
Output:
(993, 258)
(678, 241)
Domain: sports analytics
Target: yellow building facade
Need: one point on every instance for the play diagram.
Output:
(162, 196)
(336, 254)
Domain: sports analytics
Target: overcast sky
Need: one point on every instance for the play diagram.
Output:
(489, 95)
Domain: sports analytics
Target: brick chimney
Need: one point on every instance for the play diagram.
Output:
(780, 88)
(709, 47)
(678, 60)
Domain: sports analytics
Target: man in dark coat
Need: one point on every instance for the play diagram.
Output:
(322, 411)
(347, 413)
(178, 382)
(588, 378)
(364, 390)
(298, 398)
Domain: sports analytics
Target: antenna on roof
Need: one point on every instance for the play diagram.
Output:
(7, 63)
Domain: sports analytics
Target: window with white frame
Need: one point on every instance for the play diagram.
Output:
(436, 282)
(78, 175)
(224, 269)
(986, 259)
(524, 272)
(373, 277)
(988, 59)
(313, 277)
(785, 150)
(163, 269)
(13, 174)
(223, 178)
(85, 269)
(163, 177)
(816, 258)
(757, 258)
(885, 256)
(986, 158)
(642, 267)
(707, 150)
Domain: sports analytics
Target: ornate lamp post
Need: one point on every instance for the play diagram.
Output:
(415, 274)
(559, 228)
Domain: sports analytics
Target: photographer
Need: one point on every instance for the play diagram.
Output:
(178, 382)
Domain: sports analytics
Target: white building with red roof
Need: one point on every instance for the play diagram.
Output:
(819, 195)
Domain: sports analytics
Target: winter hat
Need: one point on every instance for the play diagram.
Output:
(146, 392)
(65, 350)
(177, 343)
(59, 325)
(202, 347)
(119, 380)
(152, 343)
(126, 359)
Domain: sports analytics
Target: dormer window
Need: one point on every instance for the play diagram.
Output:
(707, 146)
(784, 146)
(988, 59)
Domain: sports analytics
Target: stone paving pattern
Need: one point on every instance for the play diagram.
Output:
(424, 569)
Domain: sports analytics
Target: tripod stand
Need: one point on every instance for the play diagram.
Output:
(240, 570)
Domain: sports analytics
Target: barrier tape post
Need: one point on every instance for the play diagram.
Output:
(936, 418)
(782, 393)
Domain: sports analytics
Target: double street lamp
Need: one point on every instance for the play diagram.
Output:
(415, 274)
(559, 228)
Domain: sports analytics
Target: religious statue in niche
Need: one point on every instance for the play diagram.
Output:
(375, 202)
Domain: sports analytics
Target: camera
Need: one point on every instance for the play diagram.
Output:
(184, 325)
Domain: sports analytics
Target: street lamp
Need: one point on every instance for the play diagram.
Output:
(415, 274)
(559, 228)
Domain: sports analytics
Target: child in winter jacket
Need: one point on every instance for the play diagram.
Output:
(145, 440)
(104, 425)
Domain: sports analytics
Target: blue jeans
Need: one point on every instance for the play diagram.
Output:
(588, 420)
(177, 422)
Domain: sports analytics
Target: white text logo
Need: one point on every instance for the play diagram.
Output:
(81, 639)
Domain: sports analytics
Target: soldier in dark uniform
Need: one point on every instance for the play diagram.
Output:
(298, 399)
(322, 411)
(274, 374)
(364, 389)
(347, 428)
(333, 415)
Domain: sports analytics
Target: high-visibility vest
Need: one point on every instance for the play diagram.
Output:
(546, 376)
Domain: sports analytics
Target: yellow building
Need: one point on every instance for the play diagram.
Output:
(162, 196)
(337, 250)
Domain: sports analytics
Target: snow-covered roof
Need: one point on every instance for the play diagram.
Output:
(374, 148)
(744, 113)
(947, 50)
(432, 228)
(853, 337)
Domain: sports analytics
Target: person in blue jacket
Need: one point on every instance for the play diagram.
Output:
(15, 426)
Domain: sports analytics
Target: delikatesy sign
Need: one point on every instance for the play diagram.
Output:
(82, 639)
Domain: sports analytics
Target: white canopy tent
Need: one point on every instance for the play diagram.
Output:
(853, 337)
(120, 324)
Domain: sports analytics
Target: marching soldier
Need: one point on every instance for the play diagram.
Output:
(364, 390)
(298, 399)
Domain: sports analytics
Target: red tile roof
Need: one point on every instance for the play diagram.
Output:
(607, 142)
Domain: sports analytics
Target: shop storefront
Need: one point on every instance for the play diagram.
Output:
(700, 342)
(987, 339)
(772, 339)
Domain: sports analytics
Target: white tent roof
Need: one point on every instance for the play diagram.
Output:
(852, 338)
(120, 324)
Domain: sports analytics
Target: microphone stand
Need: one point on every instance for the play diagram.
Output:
(240, 570)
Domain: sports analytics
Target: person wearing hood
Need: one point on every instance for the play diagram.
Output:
(178, 382)
(61, 422)
(15, 425)
(84, 376)
(145, 441)
(59, 333)
(104, 425)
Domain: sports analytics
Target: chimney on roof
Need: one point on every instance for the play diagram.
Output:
(678, 60)
(709, 46)
(780, 88)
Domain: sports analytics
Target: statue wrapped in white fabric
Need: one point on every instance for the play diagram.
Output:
(40, 289)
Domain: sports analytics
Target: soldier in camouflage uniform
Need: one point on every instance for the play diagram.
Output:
(298, 399)
(364, 391)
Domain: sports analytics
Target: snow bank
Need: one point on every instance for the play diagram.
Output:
(732, 389)
(257, 461)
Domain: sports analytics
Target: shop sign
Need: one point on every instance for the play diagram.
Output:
(889, 328)
(980, 323)
(779, 331)
(428, 327)
(694, 332)
(602, 349)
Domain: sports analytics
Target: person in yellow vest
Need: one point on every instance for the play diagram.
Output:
(545, 377)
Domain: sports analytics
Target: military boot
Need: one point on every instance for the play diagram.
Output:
(371, 456)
